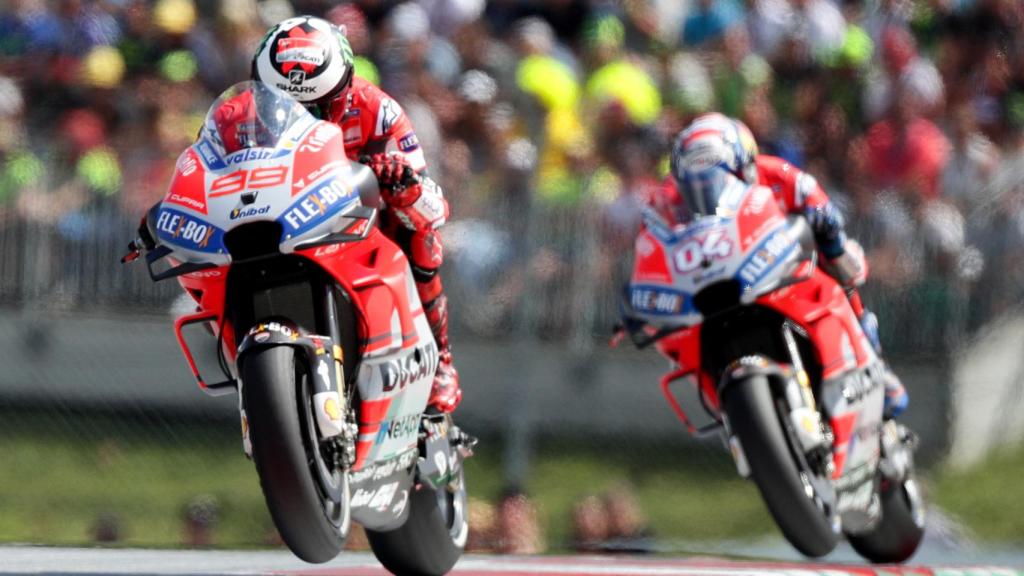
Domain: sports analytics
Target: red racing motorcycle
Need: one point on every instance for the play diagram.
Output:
(776, 356)
(317, 327)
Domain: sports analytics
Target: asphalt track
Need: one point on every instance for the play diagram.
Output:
(95, 562)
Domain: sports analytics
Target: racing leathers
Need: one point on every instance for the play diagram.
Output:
(800, 193)
(378, 133)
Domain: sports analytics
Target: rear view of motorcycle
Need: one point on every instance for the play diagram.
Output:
(737, 303)
(318, 330)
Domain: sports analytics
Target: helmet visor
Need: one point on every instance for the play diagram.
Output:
(703, 190)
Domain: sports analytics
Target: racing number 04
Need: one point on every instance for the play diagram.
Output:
(690, 255)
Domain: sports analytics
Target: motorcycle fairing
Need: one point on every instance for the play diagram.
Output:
(380, 491)
(399, 355)
(769, 253)
(749, 241)
(820, 307)
(187, 187)
(304, 182)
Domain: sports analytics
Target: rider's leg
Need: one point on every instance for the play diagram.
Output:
(896, 397)
(423, 247)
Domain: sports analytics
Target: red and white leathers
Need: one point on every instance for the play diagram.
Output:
(799, 193)
(375, 126)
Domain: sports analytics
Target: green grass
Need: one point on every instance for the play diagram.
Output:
(60, 474)
(58, 480)
(987, 498)
(686, 492)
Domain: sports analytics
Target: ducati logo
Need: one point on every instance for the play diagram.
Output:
(296, 76)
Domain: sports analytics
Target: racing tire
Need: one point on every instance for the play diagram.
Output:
(308, 503)
(431, 541)
(754, 420)
(899, 531)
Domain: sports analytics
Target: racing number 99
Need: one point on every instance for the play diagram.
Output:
(242, 179)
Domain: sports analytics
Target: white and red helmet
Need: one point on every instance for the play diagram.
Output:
(712, 146)
(307, 57)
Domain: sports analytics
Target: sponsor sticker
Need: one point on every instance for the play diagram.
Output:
(409, 142)
(179, 228)
(382, 470)
(268, 327)
(249, 154)
(187, 165)
(319, 138)
(777, 246)
(248, 211)
(657, 300)
(300, 50)
(293, 89)
(398, 428)
(317, 205)
(326, 250)
(379, 499)
(201, 274)
(188, 201)
(209, 155)
(399, 373)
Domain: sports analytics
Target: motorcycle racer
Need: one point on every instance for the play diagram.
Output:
(711, 151)
(311, 59)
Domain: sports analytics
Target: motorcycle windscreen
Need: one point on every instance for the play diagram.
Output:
(251, 115)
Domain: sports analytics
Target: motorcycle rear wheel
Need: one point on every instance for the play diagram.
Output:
(754, 420)
(308, 501)
(432, 539)
(899, 531)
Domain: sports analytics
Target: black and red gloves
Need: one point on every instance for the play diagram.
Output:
(399, 183)
(413, 198)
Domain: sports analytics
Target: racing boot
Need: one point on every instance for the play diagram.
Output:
(896, 397)
(446, 394)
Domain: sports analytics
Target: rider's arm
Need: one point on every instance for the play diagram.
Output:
(420, 202)
(392, 130)
(803, 195)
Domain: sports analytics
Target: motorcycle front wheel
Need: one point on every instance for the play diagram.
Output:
(307, 498)
(753, 418)
(434, 536)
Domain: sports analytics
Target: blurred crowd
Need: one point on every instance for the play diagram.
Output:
(548, 123)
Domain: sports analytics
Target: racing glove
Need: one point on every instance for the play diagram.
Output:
(415, 199)
(400, 185)
(827, 224)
